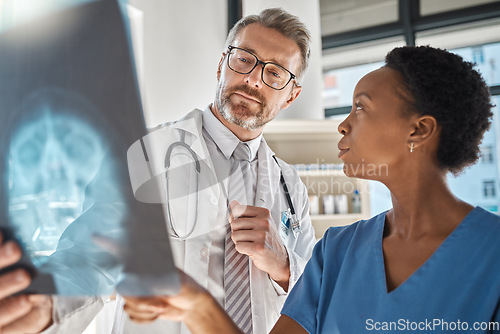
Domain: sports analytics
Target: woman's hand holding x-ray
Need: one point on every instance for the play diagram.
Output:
(20, 313)
(255, 235)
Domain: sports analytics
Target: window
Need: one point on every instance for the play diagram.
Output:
(344, 15)
(428, 7)
(339, 84)
(487, 60)
(477, 184)
(489, 189)
(466, 27)
(487, 154)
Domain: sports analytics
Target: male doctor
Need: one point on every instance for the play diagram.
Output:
(258, 75)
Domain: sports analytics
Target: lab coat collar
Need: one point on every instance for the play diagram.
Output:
(269, 177)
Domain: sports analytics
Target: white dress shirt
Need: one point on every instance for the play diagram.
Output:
(221, 143)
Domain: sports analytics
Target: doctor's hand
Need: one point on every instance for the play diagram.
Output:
(255, 235)
(193, 305)
(20, 313)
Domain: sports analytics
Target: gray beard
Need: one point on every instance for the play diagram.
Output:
(248, 121)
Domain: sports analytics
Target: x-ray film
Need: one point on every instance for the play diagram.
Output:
(70, 109)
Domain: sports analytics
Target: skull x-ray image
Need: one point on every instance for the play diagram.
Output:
(70, 109)
(54, 154)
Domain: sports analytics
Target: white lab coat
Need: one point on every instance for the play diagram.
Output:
(192, 255)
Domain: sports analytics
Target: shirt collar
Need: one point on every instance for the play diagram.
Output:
(225, 140)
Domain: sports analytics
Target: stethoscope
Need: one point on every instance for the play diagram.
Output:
(168, 155)
(294, 222)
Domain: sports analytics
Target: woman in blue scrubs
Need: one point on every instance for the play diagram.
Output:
(431, 264)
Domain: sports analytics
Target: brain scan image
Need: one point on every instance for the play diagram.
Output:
(54, 154)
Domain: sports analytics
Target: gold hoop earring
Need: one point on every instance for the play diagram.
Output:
(411, 147)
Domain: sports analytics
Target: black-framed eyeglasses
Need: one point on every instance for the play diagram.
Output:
(243, 62)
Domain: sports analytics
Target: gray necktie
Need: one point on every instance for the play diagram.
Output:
(236, 265)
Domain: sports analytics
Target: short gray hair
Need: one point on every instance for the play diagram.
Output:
(287, 24)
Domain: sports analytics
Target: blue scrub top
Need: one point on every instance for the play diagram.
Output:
(343, 288)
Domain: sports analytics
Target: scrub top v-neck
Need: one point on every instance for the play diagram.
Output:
(343, 288)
